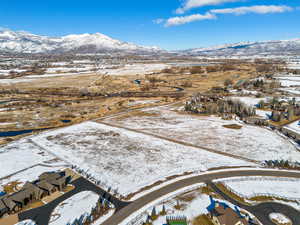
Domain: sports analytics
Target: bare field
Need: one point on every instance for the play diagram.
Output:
(126, 160)
(250, 142)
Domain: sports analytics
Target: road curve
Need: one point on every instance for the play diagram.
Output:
(264, 209)
(122, 214)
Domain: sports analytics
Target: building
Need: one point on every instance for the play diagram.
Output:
(47, 184)
(221, 214)
(176, 220)
(3, 208)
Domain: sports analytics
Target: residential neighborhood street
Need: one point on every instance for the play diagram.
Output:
(125, 212)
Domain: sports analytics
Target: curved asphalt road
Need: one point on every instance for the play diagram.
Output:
(263, 210)
(128, 210)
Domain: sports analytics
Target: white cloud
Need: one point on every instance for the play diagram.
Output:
(180, 20)
(190, 4)
(158, 21)
(260, 9)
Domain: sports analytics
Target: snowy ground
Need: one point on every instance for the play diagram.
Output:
(294, 126)
(142, 102)
(248, 187)
(67, 69)
(289, 83)
(289, 80)
(129, 69)
(193, 203)
(135, 69)
(28, 175)
(290, 90)
(263, 113)
(127, 160)
(250, 141)
(250, 101)
(19, 155)
(73, 208)
(279, 218)
(26, 222)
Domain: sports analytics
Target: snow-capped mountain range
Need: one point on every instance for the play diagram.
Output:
(24, 42)
(283, 47)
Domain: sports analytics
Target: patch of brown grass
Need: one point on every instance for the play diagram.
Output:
(233, 126)
(278, 223)
(11, 187)
(231, 194)
(136, 114)
(202, 220)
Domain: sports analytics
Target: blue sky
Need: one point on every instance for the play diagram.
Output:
(199, 23)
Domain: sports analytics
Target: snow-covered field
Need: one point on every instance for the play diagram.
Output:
(289, 83)
(142, 102)
(259, 186)
(20, 155)
(72, 208)
(291, 90)
(135, 69)
(125, 160)
(66, 69)
(250, 141)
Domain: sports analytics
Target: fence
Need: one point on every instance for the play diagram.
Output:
(260, 194)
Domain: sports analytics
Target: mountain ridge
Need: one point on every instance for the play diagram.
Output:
(25, 42)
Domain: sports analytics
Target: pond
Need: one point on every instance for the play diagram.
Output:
(18, 132)
(66, 121)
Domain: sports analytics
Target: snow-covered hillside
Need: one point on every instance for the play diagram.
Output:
(284, 47)
(24, 42)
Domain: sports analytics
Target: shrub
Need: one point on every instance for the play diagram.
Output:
(196, 70)
(187, 84)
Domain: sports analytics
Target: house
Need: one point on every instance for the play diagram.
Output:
(10, 204)
(3, 208)
(221, 214)
(47, 184)
(46, 187)
(36, 192)
(53, 181)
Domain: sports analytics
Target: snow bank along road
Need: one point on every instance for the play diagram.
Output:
(125, 212)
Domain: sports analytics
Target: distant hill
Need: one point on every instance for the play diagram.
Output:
(275, 48)
(24, 42)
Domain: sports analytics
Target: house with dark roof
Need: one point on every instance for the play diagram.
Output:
(47, 184)
(10, 204)
(3, 208)
(221, 214)
(46, 187)
(226, 216)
